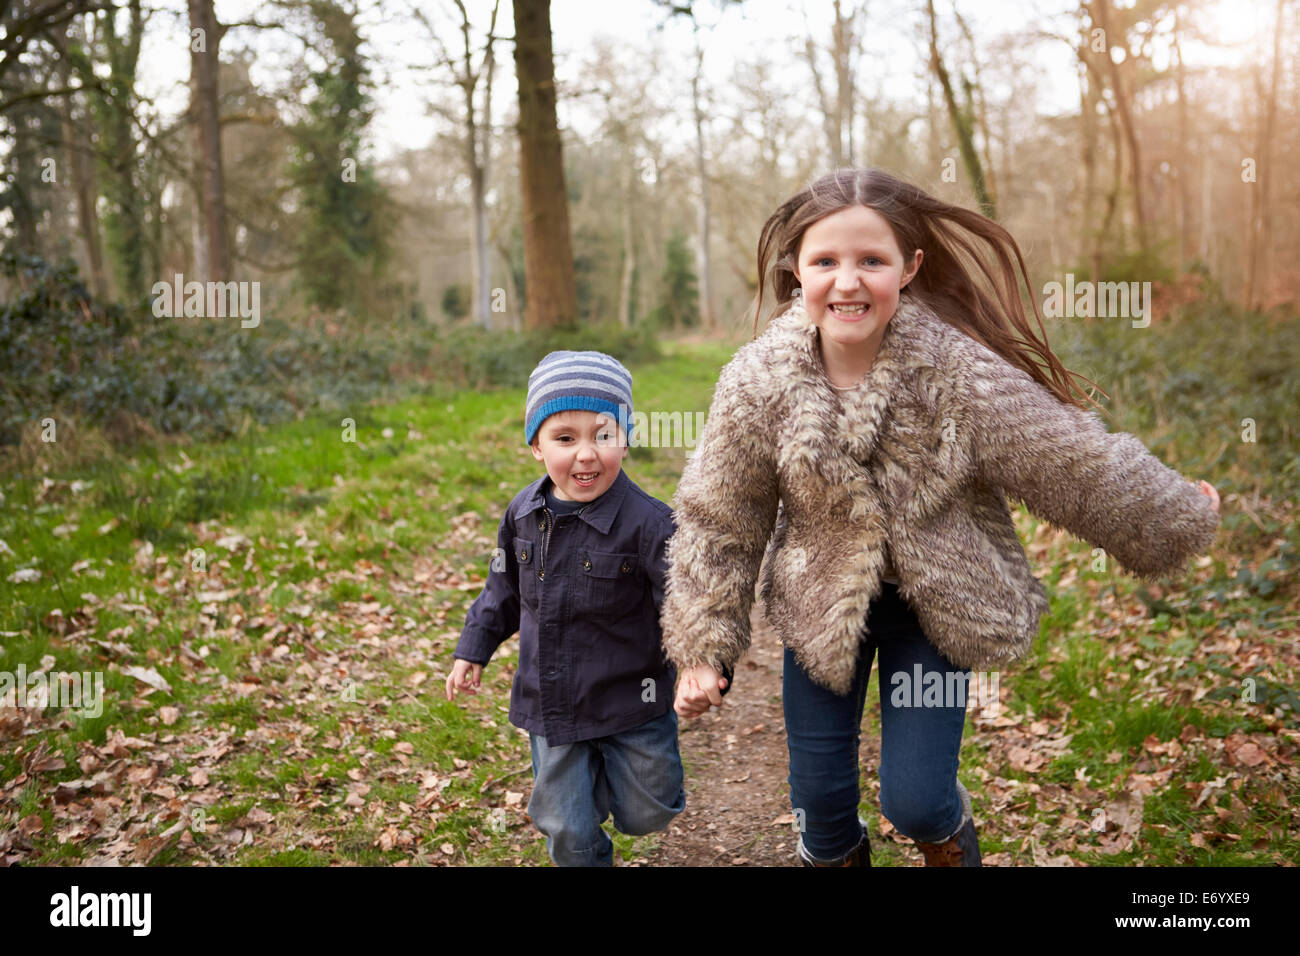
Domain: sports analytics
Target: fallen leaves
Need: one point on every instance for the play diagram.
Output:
(148, 675)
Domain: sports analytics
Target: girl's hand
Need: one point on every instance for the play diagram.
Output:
(1207, 489)
(465, 676)
(698, 690)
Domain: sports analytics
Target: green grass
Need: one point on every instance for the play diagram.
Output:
(338, 572)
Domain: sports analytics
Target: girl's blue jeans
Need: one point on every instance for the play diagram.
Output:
(636, 775)
(919, 744)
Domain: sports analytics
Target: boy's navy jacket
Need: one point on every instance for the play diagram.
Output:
(584, 592)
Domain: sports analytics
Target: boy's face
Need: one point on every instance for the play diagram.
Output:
(583, 452)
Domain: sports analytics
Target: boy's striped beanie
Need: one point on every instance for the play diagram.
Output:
(587, 381)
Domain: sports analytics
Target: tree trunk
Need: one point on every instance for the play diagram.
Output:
(960, 122)
(1261, 236)
(512, 292)
(207, 119)
(548, 252)
(478, 159)
(81, 174)
(1088, 127)
(1185, 163)
(480, 264)
(629, 245)
(843, 39)
(1125, 114)
(837, 114)
(703, 219)
(978, 109)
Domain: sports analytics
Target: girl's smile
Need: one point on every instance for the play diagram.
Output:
(851, 271)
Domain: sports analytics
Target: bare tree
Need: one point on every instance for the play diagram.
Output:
(212, 254)
(476, 123)
(703, 220)
(1261, 220)
(1102, 15)
(76, 145)
(837, 110)
(548, 249)
(961, 122)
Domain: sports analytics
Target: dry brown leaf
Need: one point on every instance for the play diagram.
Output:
(1025, 760)
(1125, 811)
(148, 676)
(1249, 755)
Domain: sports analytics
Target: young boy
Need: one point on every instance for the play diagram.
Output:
(579, 573)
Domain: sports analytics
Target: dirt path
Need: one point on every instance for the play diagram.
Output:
(737, 763)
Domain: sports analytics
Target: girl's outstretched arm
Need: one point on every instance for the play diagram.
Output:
(725, 508)
(1062, 463)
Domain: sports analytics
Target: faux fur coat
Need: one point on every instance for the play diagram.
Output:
(820, 488)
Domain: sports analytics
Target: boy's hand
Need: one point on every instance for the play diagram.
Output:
(465, 676)
(698, 690)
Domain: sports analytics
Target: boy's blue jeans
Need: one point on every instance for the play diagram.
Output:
(919, 744)
(636, 775)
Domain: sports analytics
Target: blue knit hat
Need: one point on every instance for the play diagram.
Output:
(586, 381)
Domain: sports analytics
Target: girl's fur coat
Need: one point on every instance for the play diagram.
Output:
(816, 485)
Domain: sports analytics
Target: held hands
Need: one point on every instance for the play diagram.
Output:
(1207, 489)
(465, 676)
(698, 689)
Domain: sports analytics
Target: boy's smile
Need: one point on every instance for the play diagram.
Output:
(583, 452)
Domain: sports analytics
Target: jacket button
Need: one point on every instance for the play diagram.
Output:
(523, 555)
(586, 564)
(625, 569)
(541, 575)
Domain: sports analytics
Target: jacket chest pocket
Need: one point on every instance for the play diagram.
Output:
(609, 584)
(528, 565)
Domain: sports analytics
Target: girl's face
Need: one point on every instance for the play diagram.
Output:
(851, 271)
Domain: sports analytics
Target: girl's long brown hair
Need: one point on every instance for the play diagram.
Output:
(956, 279)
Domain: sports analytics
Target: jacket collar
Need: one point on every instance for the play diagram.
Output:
(599, 515)
(855, 416)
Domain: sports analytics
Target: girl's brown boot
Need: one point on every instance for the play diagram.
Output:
(960, 849)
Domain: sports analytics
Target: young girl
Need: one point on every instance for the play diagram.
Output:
(861, 452)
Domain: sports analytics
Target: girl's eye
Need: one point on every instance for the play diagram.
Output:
(873, 260)
(818, 262)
